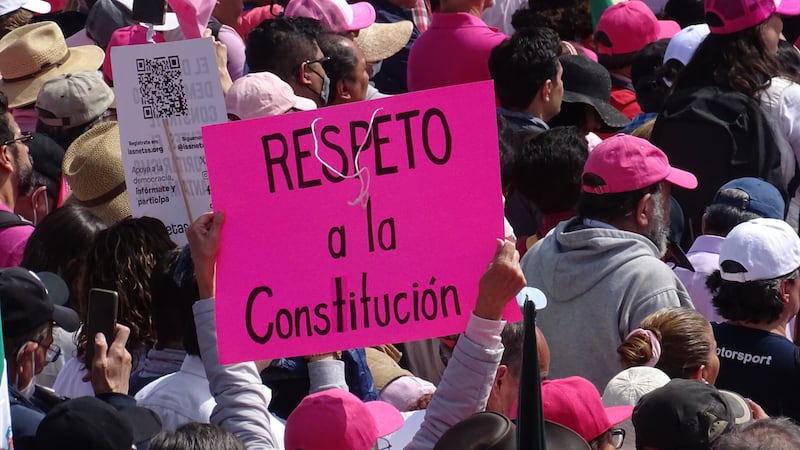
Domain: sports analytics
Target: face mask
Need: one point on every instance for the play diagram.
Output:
(326, 89)
(376, 67)
(28, 390)
(46, 208)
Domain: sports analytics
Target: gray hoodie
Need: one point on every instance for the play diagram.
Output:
(600, 283)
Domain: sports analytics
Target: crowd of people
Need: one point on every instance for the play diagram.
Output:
(648, 156)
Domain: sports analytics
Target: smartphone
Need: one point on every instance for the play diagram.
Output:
(149, 11)
(102, 318)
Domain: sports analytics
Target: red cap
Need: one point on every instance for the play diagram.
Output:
(575, 403)
(336, 419)
(629, 26)
(625, 163)
(130, 35)
(738, 15)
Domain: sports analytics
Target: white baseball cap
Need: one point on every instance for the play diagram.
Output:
(36, 6)
(628, 386)
(765, 248)
(685, 42)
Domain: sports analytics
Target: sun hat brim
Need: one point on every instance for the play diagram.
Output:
(611, 117)
(382, 40)
(23, 92)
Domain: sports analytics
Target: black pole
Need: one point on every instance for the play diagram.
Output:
(530, 419)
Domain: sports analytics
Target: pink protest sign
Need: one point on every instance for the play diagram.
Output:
(312, 261)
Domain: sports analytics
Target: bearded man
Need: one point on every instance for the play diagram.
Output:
(16, 172)
(601, 271)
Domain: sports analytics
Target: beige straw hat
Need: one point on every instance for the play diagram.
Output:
(94, 171)
(35, 53)
(382, 40)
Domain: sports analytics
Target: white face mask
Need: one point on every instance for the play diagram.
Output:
(46, 208)
(376, 67)
(28, 390)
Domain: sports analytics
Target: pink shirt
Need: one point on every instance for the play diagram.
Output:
(235, 46)
(12, 242)
(454, 50)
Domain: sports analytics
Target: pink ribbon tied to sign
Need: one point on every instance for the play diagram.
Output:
(193, 16)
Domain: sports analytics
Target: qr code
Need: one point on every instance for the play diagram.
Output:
(161, 87)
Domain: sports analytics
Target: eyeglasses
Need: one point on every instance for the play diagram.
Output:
(322, 60)
(384, 444)
(24, 139)
(617, 437)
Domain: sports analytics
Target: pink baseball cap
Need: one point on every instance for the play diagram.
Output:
(263, 94)
(335, 16)
(575, 403)
(130, 35)
(628, 26)
(336, 419)
(624, 163)
(730, 16)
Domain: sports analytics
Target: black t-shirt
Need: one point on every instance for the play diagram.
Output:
(759, 365)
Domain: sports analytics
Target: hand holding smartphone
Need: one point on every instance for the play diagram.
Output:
(102, 318)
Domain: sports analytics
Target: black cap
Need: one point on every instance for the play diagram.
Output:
(90, 423)
(484, 430)
(47, 157)
(686, 415)
(28, 300)
(589, 83)
(489, 430)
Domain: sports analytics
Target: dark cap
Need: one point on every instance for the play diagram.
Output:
(484, 430)
(589, 83)
(762, 197)
(686, 415)
(47, 157)
(90, 423)
(28, 300)
(489, 430)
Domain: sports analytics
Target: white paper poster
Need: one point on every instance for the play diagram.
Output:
(165, 94)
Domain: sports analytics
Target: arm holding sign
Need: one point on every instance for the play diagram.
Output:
(221, 52)
(326, 371)
(467, 381)
(241, 398)
(203, 237)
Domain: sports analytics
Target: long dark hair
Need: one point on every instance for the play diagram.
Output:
(60, 242)
(123, 258)
(738, 61)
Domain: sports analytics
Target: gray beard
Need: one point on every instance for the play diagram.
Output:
(658, 232)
